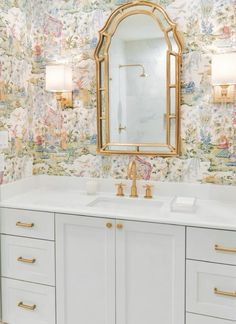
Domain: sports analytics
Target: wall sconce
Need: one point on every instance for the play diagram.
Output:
(224, 77)
(59, 81)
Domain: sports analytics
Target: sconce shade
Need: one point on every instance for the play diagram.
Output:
(59, 78)
(224, 69)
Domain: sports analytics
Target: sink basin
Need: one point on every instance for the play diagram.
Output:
(127, 204)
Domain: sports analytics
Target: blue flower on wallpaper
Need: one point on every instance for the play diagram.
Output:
(93, 42)
(189, 87)
(223, 154)
(205, 140)
(207, 28)
(22, 92)
(93, 139)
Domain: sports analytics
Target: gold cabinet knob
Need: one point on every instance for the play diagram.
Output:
(120, 189)
(120, 226)
(109, 225)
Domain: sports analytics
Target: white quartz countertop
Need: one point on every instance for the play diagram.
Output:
(43, 195)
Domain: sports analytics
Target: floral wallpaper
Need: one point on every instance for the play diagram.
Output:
(56, 142)
(15, 77)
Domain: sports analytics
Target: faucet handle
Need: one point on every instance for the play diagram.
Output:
(120, 189)
(148, 191)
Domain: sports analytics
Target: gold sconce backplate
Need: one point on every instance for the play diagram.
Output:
(224, 94)
(65, 99)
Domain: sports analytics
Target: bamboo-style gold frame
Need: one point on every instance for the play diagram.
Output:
(102, 63)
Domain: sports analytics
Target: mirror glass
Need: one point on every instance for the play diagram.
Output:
(137, 82)
(138, 62)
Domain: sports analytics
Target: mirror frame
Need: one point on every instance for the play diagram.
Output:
(102, 58)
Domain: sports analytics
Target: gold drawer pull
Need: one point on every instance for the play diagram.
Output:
(120, 226)
(20, 259)
(225, 293)
(27, 307)
(27, 225)
(224, 249)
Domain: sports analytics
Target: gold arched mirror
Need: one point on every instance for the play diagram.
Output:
(138, 59)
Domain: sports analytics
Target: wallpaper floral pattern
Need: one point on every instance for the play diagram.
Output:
(15, 99)
(64, 143)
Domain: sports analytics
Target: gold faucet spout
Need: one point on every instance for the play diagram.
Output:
(132, 174)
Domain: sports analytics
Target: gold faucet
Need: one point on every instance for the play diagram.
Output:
(132, 174)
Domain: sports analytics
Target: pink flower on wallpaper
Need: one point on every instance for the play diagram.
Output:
(37, 49)
(79, 84)
(39, 140)
(53, 118)
(144, 167)
(53, 26)
(226, 32)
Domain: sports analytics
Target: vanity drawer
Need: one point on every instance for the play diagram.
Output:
(27, 303)
(211, 289)
(28, 259)
(27, 223)
(200, 319)
(211, 245)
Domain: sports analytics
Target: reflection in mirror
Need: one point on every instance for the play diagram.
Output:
(137, 87)
(174, 46)
(172, 132)
(102, 85)
(172, 69)
(172, 116)
(163, 22)
(138, 70)
(172, 101)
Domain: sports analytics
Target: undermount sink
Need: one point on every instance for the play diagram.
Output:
(130, 204)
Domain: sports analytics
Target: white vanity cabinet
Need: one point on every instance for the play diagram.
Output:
(120, 272)
(108, 271)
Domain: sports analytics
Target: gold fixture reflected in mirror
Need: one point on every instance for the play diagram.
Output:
(121, 128)
(143, 73)
(138, 35)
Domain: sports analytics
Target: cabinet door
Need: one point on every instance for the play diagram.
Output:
(150, 273)
(85, 263)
